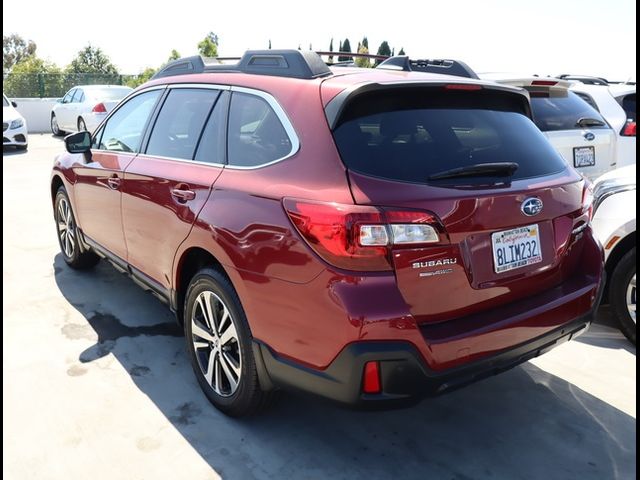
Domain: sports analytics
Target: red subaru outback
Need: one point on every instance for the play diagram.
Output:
(370, 236)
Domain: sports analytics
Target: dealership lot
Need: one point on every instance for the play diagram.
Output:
(97, 382)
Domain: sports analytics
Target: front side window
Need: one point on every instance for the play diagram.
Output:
(256, 134)
(124, 129)
(178, 127)
(5, 102)
(69, 96)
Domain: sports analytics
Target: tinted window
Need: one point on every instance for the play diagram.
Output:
(211, 148)
(67, 98)
(179, 124)
(562, 110)
(256, 135)
(629, 106)
(587, 98)
(409, 136)
(123, 131)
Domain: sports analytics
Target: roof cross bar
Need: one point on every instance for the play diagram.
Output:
(445, 67)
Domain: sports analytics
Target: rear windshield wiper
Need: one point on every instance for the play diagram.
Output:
(499, 169)
(589, 122)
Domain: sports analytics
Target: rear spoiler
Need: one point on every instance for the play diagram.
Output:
(441, 66)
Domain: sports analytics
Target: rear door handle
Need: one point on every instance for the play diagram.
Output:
(183, 195)
(113, 182)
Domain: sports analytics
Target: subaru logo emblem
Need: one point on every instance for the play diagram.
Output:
(531, 206)
(589, 136)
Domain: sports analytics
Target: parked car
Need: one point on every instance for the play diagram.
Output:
(368, 236)
(85, 106)
(14, 126)
(617, 103)
(614, 224)
(576, 129)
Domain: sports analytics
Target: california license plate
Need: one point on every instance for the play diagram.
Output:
(516, 248)
(584, 157)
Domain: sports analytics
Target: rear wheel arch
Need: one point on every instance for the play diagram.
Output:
(619, 251)
(191, 261)
(56, 183)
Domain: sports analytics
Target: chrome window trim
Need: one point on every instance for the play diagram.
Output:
(174, 159)
(211, 86)
(284, 120)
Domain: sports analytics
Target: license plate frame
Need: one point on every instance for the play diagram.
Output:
(584, 157)
(516, 248)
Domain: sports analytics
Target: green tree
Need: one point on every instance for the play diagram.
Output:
(175, 55)
(92, 60)
(143, 77)
(34, 77)
(331, 50)
(363, 62)
(383, 49)
(14, 50)
(346, 47)
(269, 44)
(365, 43)
(401, 52)
(208, 47)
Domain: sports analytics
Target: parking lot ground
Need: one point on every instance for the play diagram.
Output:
(97, 385)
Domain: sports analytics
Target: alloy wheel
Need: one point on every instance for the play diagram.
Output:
(631, 298)
(216, 344)
(55, 128)
(66, 228)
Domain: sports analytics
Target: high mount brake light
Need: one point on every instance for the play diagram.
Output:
(360, 238)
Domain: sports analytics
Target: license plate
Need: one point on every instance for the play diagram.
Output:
(516, 248)
(584, 157)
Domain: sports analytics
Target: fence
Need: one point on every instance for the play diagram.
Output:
(54, 85)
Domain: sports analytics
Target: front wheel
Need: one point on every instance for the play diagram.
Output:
(623, 294)
(55, 128)
(219, 344)
(67, 232)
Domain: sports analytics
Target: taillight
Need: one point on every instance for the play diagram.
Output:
(462, 86)
(356, 237)
(544, 83)
(629, 129)
(99, 108)
(587, 199)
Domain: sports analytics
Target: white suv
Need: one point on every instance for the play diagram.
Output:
(14, 126)
(614, 223)
(617, 103)
(577, 130)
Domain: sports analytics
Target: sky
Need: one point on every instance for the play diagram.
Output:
(545, 37)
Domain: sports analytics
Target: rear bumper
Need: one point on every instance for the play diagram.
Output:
(405, 376)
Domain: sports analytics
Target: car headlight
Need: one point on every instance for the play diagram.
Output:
(17, 123)
(606, 188)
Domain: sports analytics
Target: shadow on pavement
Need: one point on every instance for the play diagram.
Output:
(525, 423)
(606, 333)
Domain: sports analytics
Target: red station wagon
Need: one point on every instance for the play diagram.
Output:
(370, 236)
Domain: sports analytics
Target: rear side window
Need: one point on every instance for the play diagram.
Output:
(628, 103)
(256, 134)
(413, 135)
(123, 131)
(563, 110)
(178, 127)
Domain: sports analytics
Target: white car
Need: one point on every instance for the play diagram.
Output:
(14, 126)
(614, 223)
(577, 130)
(85, 106)
(617, 103)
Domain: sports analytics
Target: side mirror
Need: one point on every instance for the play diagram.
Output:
(15, 105)
(78, 142)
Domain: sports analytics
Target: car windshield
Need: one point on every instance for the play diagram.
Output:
(415, 135)
(5, 102)
(111, 93)
(559, 109)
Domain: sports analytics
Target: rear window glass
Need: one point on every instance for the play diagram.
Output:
(629, 106)
(413, 135)
(563, 110)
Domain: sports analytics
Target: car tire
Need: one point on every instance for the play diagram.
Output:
(67, 234)
(226, 371)
(82, 126)
(55, 128)
(622, 294)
